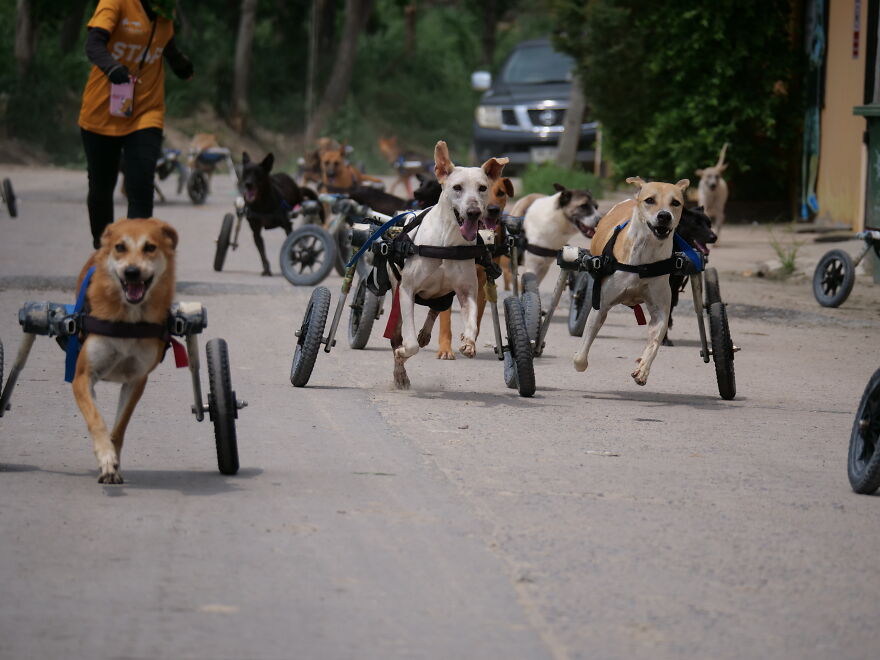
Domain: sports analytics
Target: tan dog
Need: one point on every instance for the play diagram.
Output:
(500, 191)
(133, 282)
(712, 191)
(646, 238)
(338, 174)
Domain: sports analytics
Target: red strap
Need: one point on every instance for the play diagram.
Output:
(180, 358)
(394, 315)
(640, 315)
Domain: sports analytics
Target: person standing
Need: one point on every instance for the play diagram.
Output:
(123, 104)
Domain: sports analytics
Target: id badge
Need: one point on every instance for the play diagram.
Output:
(122, 99)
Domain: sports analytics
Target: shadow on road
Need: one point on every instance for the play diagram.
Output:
(701, 401)
(186, 482)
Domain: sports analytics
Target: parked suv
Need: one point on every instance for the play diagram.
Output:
(522, 112)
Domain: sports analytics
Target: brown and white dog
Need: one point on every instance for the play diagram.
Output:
(338, 174)
(133, 282)
(550, 222)
(453, 221)
(500, 191)
(712, 191)
(646, 238)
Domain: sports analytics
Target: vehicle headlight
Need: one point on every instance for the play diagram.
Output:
(489, 116)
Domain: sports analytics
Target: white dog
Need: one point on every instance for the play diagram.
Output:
(712, 191)
(550, 222)
(454, 221)
(646, 238)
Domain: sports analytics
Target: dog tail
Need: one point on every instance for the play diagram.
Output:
(722, 155)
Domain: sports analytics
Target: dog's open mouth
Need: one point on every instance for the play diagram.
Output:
(661, 232)
(135, 291)
(466, 226)
(589, 232)
(702, 248)
(250, 194)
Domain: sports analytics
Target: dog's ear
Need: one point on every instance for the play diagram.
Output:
(494, 166)
(564, 195)
(558, 187)
(268, 161)
(683, 185)
(245, 158)
(699, 172)
(443, 164)
(723, 167)
(508, 186)
(170, 234)
(637, 181)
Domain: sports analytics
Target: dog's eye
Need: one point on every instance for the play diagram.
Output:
(456, 188)
(675, 202)
(483, 188)
(119, 247)
(499, 193)
(650, 200)
(149, 247)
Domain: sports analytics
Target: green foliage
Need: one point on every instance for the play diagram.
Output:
(786, 252)
(671, 85)
(540, 179)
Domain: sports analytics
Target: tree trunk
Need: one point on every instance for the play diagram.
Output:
(312, 62)
(490, 22)
(574, 118)
(409, 30)
(356, 14)
(241, 74)
(72, 24)
(24, 36)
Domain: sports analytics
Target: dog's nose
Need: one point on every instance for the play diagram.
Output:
(664, 217)
(713, 237)
(132, 273)
(493, 210)
(473, 214)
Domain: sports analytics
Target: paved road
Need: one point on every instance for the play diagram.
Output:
(596, 520)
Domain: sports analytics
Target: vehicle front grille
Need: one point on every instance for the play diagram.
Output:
(547, 117)
(508, 118)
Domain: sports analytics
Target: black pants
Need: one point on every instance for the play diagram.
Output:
(140, 150)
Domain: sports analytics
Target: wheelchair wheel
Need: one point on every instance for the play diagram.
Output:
(343, 249)
(221, 405)
(519, 363)
(581, 304)
(1, 366)
(307, 255)
(833, 278)
(722, 350)
(197, 187)
(863, 466)
(530, 282)
(710, 283)
(223, 241)
(364, 309)
(311, 334)
(531, 304)
(9, 198)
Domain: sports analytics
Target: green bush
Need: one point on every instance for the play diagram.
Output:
(540, 179)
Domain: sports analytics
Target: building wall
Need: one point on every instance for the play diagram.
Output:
(840, 183)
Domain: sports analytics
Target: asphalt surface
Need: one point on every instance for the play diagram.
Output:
(598, 519)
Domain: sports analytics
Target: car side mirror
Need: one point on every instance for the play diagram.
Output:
(481, 80)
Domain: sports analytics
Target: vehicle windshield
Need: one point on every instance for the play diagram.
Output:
(537, 64)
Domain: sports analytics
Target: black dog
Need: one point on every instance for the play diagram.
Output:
(269, 200)
(695, 228)
(427, 194)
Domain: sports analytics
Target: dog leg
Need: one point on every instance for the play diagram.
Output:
(445, 340)
(261, 248)
(468, 346)
(594, 323)
(105, 452)
(504, 262)
(425, 332)
(129, 395)
(410, 343)
(401, 380)
(656, 331)
(481, 297)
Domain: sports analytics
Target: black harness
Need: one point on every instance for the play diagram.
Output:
(540, 251)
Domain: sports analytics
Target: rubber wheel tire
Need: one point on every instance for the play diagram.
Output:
(221, 405)
(343, 249)
(197, 187)
(311, 334)
(9, 198)
(1, 366)
(364, 309)
(580, 305)
(833, 278)
(530, 282)
(519, 346)
(710, 284)
(531, 304)
(223, 241)
(863, 465)
(722, 350)
(307, 255)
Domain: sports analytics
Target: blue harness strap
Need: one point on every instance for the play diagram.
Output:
(73, 343)
(689, 252)
(376, 234)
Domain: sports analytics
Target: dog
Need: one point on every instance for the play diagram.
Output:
(310, 163)
(269, 199)
(651, 220)
(695, 228)
(133, 282)
(551, 221)
(340, 175)
(428, 192)
(712, 190)
(407, 163)
(499, 193)
(453, 221)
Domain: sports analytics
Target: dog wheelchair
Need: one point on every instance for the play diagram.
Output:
(576, 268)
(835, 273)
(8, 196)
(863, 464)
(186, 320)
(377, 237)
(202, 164)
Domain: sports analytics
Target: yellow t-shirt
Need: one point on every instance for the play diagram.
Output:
(129, 28)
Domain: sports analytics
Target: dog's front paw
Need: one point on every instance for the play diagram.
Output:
(424, 337)
(266, 273)
(640, 376)
(445, 354)
(580, 362)
(468, 347)
(110, 478)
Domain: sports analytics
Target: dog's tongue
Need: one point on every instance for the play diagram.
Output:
(134, 291)
(704, 249)
(250, 195)
(469, 229)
